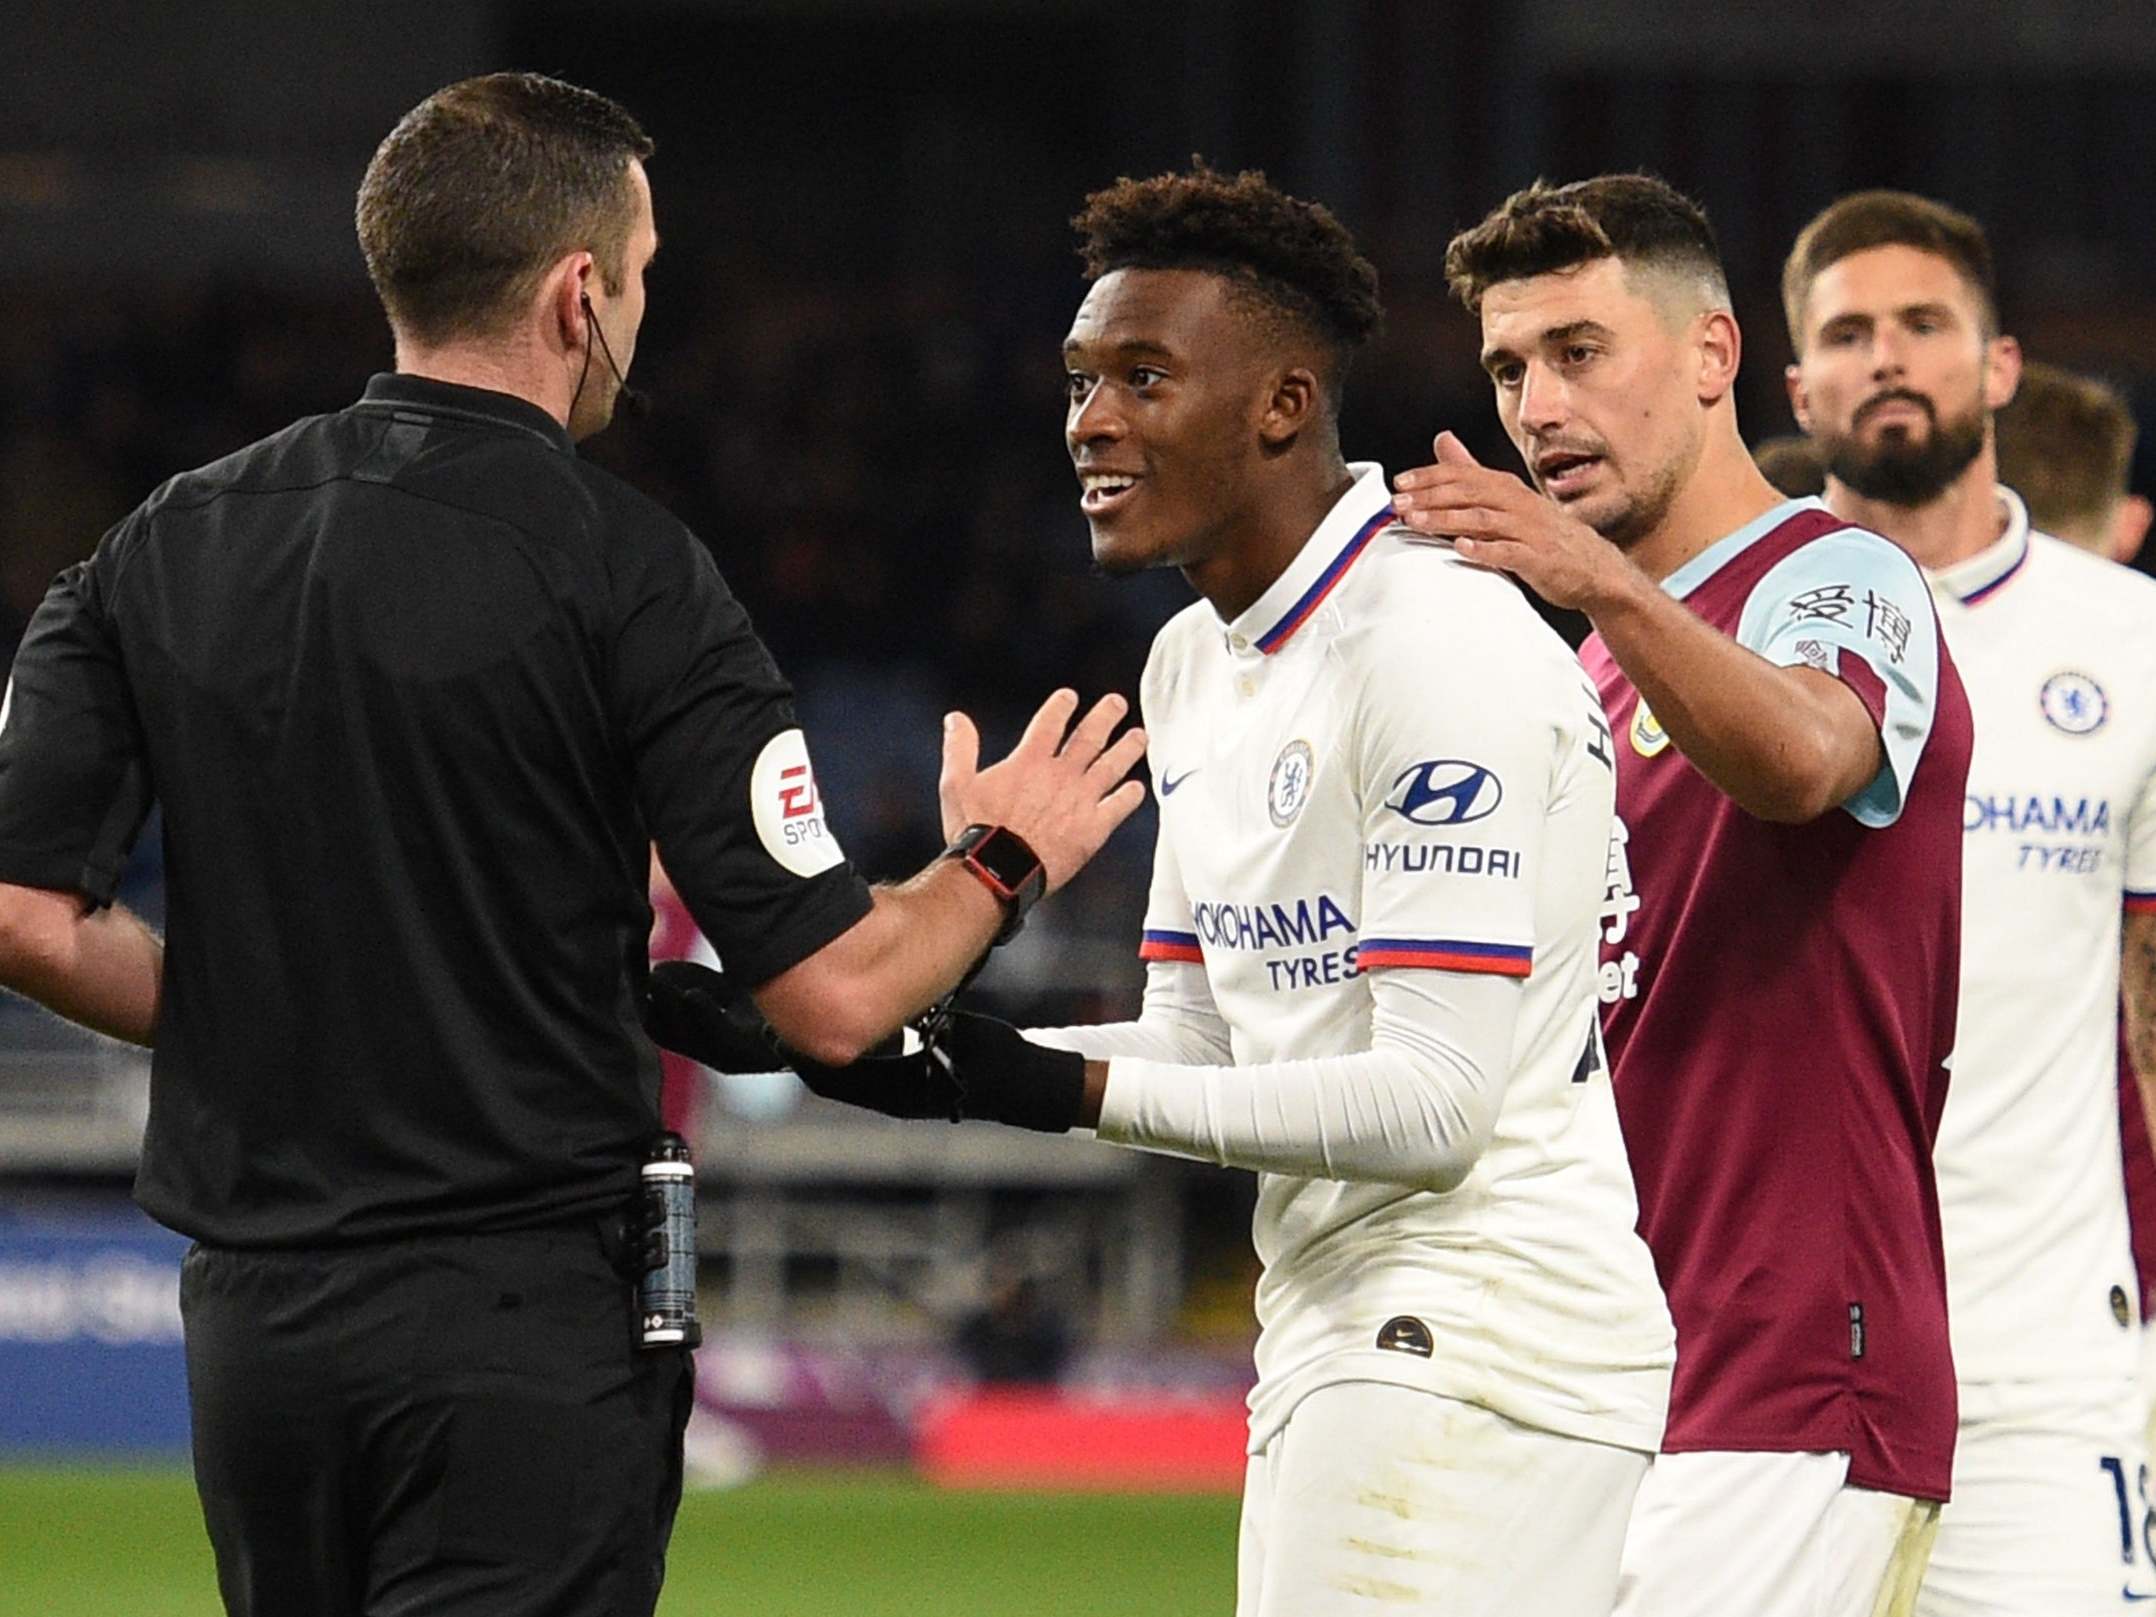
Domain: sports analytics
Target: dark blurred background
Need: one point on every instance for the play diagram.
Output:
(853, 339)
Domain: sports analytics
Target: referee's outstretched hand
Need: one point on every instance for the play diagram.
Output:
(1062, 788)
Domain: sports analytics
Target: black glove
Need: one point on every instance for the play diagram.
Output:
(704, 1015)
(966, 1065)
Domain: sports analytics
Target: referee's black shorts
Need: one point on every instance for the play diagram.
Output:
(448, 1424)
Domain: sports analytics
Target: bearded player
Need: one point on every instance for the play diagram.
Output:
(1900, 365)
(1781, 934)
(1385, 795)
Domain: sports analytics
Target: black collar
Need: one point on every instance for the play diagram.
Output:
(397, 391)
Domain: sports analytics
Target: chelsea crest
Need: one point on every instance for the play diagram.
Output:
(1289, 788)
(2075, 703)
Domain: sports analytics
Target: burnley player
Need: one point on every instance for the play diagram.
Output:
(1782, 928)
(1900, 365)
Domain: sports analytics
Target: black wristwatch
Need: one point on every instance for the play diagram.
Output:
(1006, 866)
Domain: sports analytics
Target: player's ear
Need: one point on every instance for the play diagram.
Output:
(1800, 404)
(1296, 400)
(2002, 371)
(1720, 347)
(2130, 527)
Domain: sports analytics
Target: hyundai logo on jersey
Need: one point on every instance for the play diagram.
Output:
(1445, 791)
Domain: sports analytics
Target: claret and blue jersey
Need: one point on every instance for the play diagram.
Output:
(1780, 1014)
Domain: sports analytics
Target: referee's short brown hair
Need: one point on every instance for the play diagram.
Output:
(484, 185)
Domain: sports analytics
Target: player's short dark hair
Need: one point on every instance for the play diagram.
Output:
(1792, 463)
(1290, 257)
(2066, 445)
(1636, 219)
(1868, 219)
(484, 185)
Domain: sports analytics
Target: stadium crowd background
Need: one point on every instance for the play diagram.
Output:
(866, 274)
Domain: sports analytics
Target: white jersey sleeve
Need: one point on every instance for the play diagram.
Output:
(2141, 849)
(1456, 758)
(1414, 1109)
(1853, 605)
(1453, 788)
(1170, 932)
(1177, 1022)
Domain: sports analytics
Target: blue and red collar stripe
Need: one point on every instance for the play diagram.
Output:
(1446, 954)
(2140, 903)
(1277, 636)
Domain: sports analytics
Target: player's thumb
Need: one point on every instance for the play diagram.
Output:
(1451, 452)
(961, 762)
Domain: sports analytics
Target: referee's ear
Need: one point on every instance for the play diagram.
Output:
(559, 304)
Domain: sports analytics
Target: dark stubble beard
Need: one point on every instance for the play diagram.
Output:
(1903, 470)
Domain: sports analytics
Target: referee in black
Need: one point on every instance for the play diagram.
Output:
(417, 690)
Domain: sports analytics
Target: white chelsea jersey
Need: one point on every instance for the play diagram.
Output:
(2057, 649)
(1388, 773)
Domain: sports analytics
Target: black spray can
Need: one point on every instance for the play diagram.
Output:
(666, 1292)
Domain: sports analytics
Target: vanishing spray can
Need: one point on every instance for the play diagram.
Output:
(666, 1293)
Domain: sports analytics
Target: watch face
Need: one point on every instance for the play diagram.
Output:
(1006, 857)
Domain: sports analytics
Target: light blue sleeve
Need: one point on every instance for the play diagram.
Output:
(1854, 605)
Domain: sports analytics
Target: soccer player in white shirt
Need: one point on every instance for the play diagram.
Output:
(1385, 836)
(1385, 798)
(1900, 364)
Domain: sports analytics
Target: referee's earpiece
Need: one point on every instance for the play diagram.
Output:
(632, 401)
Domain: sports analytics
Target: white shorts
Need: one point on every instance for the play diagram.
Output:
(2148, 1388)
(2050, 1513)
(1770, 1535)
(1382, 1499)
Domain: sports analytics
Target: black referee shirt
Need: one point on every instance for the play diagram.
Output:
(416, 688)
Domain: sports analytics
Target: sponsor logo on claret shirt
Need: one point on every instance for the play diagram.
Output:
(1445, 791)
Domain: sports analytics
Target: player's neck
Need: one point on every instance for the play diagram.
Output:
(1954, 525)
(1259, 548)
(1724, 492)
(497, 368)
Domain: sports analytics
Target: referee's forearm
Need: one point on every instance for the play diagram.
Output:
(102, 968)
(911, 948)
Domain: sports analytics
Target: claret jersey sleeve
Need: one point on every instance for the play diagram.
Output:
(74, 783)
(1853, 605)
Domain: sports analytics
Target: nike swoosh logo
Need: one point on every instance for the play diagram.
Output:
(1168, 783)
(2127, 1592)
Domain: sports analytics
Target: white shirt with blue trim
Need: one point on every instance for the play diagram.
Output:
(1385, 796)
(2057, 650)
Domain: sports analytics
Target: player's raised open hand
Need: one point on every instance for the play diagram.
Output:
(1062, 788)
(1495, 520)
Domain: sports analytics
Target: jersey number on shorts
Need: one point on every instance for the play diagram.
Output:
(2117, 1467)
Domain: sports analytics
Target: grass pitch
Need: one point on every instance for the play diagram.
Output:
(121, 1542)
